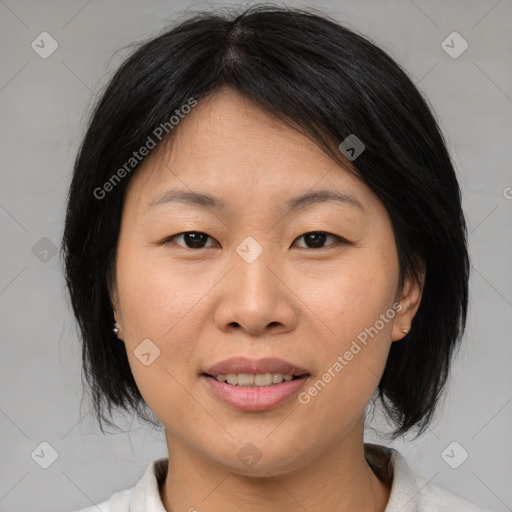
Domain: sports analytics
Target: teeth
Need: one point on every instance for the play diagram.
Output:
(251, 380)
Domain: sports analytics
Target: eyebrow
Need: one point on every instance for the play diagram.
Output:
(294, 204)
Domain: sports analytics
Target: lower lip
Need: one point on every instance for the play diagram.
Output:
(255, 398)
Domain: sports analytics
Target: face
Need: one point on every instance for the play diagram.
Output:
(313, 284)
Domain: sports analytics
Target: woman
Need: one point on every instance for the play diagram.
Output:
(264, 237)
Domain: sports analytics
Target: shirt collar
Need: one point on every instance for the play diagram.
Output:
(390, 465)
(146, 493)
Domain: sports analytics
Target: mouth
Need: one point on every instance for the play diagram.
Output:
(254, 385)
(260, 372)
(251, 380)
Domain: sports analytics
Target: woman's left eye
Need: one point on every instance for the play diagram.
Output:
(317, 239)
(197, 239)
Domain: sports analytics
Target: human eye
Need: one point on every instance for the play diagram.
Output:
(192, 239)
(316, 239)
(198, 239)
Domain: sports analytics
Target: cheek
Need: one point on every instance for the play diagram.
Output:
(355, 314)
(155, 295)
(352, 294)
(157, 304)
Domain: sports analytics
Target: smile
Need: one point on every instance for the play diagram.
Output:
(254, 392)
(252, 380)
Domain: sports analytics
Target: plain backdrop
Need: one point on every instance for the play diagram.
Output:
(43, 103)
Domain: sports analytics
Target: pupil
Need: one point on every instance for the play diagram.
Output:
(318, 238)
(193, 239)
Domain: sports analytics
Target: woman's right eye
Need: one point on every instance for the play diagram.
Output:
(192, 239)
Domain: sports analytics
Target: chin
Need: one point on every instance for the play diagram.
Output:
(251, 461)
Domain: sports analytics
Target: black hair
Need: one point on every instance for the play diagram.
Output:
(329, 82)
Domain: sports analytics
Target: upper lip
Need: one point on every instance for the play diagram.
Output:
(255, 366)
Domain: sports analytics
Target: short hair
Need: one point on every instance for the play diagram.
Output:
(329, 82)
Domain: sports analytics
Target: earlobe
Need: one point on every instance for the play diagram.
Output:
(117, 327)
(398, 324)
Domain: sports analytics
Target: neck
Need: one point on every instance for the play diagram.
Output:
(338, 480)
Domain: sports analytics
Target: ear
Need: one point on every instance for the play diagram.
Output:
(410, 299)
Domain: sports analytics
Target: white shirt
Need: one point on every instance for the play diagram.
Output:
(408, 492)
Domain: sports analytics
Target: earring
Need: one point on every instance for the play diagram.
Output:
(405, 331)
(115, 329)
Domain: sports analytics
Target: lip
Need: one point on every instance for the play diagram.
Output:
(245, 365)
(255, 398)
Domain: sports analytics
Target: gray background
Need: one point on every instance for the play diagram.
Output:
(42, 106)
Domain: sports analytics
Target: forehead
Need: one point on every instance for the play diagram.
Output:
(228, 145)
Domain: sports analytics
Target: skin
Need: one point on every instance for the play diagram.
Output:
(303, 304)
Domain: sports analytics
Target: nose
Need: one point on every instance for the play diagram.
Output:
(256, 298)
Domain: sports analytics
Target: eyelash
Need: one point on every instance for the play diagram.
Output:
(339, 240)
